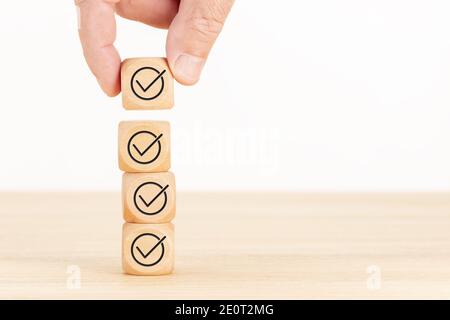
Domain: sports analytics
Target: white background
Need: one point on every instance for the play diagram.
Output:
(323, 95)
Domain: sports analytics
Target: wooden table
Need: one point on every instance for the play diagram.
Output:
(232, 245)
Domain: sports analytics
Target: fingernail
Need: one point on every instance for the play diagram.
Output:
(188, 68)
(78, 16)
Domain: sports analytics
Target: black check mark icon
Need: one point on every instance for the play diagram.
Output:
(152, 249)
(151, 83)
(141, 153)
(154, 198)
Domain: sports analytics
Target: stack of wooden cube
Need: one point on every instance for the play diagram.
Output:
(148, 188)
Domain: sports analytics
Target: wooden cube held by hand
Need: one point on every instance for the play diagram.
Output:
(147, 84)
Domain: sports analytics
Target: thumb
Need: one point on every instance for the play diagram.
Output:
(192, 34)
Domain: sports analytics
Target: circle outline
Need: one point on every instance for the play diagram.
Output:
(129, 147)
(136, 193)
(134, 242)
(132, 85)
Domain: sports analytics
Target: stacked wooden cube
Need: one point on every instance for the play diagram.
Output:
(148, 188)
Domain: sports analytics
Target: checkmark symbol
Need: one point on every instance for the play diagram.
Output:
(154, 198)
(145, 255)
(141, 153)
(151, 83)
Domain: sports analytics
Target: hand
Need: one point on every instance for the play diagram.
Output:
(193, 28)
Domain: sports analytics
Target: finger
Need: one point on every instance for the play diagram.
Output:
(97, 34)
(192, 34)
(156, 13)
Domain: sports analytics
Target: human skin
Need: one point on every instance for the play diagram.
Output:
(193, 27)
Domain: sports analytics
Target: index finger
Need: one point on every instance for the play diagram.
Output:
(97, 30)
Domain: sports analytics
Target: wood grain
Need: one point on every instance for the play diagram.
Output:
(233, 245)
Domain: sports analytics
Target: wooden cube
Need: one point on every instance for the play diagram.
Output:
(148, 197)
(144, 146)
(148, 249)
(147, 84)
